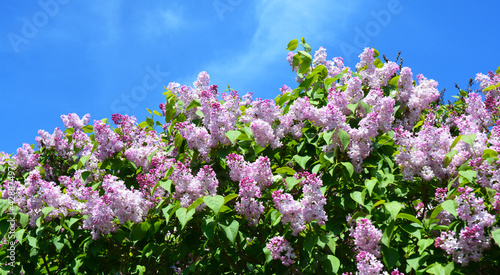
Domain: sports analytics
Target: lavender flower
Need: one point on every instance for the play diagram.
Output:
(281, 250)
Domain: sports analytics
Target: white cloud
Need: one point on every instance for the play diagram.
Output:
(172, 19)
(277, 23)
(110, 13)
(156, 23)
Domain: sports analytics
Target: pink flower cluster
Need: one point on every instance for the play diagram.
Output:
(423, 154)
(306, 210)
(189, 188)
(36, 194)
(259, 171)
(109, 141)
(366, 237)
(73, 121)
(281, 250)
(367, 244)
(492, 96)
(25, 157)
(368, 264)
(248, 206)
(472, 240)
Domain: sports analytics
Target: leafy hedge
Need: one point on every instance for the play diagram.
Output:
(360, 170)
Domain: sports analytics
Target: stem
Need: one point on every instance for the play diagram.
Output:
(45, 264)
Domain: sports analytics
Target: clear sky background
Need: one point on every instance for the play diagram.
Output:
(103, 57)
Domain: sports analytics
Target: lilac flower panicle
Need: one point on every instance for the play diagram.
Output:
(260, 170)
(248, 206)
(73, 121)
(189, 188)
(281, 250)
(291, 211)
(109, 141)
(26, 157)
(472, 239)
(366, 237)
(368, 264)
(313, 199)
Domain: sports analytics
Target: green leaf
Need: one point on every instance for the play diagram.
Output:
(292, 45)
(32, 242)
(449, 205)
(184, 215)
(231, 230)
(140, 230)
(344, 138)
(332, 264)
(436, 212)
(230, 197)
(496, 236)
(291, 182)
(82, 161)
(449, 158)
(412, 229)
(193, 104)
(492, 87)
(310, 242)
(233, 135)
(208, 228)
(169, 211)
(469, 139)
(302, 160)
(150, 156)
(57, 243)
(408, 217)
(268, 255)
(390, 256)
(327, 136)
(304, 68)
(420, 123)
(423, 244)
(285, 170)
(488, 153)
(358, 197)
(165, 184)
(455, 142)
(393, 207)
(88, 129)
(24, 219)
(413, 261)
(394, 81)
(435, 268)
(449, 268)
(214, 203)
(468, 174)
(47, 210)
(380, 202)
(304, 56)
(497, 71)
(195, 204)
(349, 167)
(19, 234)
(140, 269)
(370, 184)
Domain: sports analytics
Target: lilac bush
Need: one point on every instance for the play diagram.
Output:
(221, 183)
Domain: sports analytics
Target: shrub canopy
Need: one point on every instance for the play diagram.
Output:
(363, 170)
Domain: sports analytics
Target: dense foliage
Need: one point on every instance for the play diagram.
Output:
(354, 171)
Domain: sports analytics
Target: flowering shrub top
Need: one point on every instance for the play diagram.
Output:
(359, 170)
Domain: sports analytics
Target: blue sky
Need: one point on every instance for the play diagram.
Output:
(103, 57)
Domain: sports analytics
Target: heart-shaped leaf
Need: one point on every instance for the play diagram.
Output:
(214, 203)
